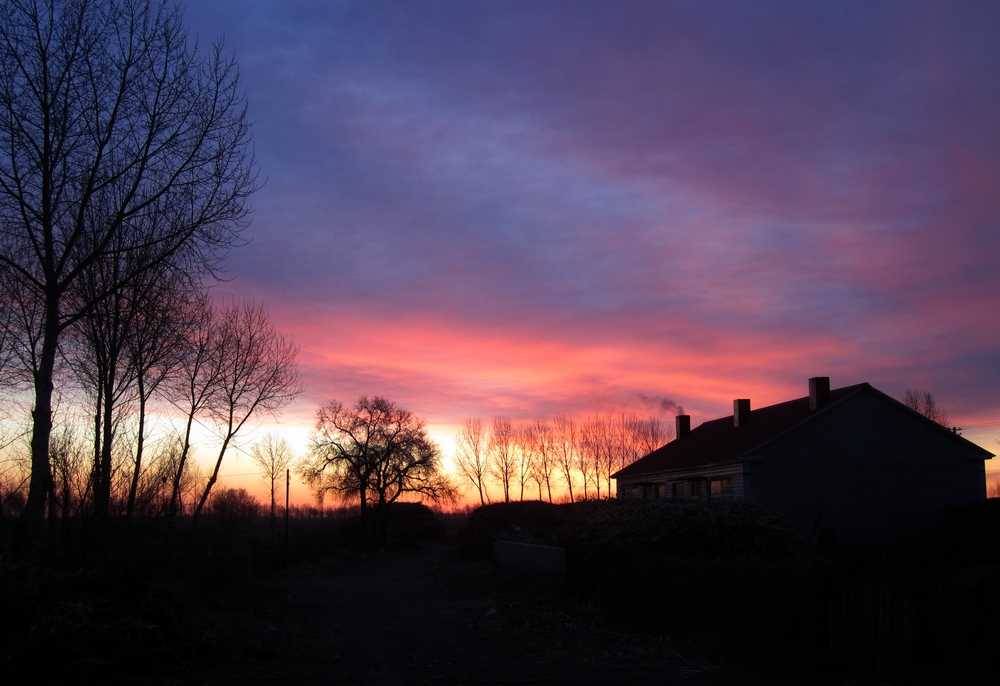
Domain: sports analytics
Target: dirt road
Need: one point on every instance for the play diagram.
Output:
(429, 617)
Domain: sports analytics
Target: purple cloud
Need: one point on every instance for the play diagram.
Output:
(741, 193)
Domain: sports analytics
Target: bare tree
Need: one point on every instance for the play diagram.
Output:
(150, 494)
(72, 482)
(117, 138)
(8, 343)
(566, 441)
(591, 453)
(544, 446)
(524, 456)
(925, 404)
(273, 455)
(197, 385)
(257, 375)
(155, 347)
(376, 451)
(650, 434)
(472, 456)
(503, 454)
(638, 437)
(98, 356)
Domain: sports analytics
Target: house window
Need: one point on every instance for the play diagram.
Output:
(721, 487)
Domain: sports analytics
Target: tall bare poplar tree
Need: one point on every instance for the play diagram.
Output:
(472, 456)
(566, 444)
(117, 139)
(503, 454)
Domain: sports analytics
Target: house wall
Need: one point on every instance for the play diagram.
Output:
(644, 486)
(866, 469)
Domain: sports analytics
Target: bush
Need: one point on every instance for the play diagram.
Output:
(724, 530)
(727, 530)
(530, 522)
(234, 504)
(405, 523)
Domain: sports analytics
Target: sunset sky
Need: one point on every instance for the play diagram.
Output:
(544, 208)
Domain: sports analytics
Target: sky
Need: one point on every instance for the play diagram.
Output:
(533, 209)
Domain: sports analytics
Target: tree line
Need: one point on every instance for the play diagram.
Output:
(126, 168)
(542, 457)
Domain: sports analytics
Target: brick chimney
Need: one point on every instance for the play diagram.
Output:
(819, 392)
(741, 411)
(683, 425)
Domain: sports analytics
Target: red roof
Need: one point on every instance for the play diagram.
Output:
(718, 441)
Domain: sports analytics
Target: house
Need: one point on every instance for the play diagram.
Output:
(852, 463)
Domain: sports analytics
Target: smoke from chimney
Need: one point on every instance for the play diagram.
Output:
(664, 404)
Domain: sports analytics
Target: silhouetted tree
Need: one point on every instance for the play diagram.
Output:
(376, 451)
(116, 139)
(591, 453)
(523, 456)
(648, 435)
(544, 455)
(925, 404)
(155, 347)
(472, 456)
(503, 453)
(257, 375)
(273, 455)
(234, 504)
(566, 442)
(196, 386)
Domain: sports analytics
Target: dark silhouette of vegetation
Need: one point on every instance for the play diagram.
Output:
(552, 454)
(375, 451)
(124, 152)
(256, 374)
(472, 456)
(925, 404)
(234, 504)
(274, 456)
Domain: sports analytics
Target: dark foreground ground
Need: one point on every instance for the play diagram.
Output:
(669, 595)
(427, 616)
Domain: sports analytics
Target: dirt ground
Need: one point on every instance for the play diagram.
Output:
(427, 616)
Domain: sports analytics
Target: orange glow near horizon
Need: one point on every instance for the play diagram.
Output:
(445, 373)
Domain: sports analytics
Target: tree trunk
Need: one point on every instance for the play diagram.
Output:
(211, 480)
(41, 483)
(134, 486)
(102, 484)
(175, 490)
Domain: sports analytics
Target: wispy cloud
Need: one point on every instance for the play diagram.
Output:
(539, 208)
